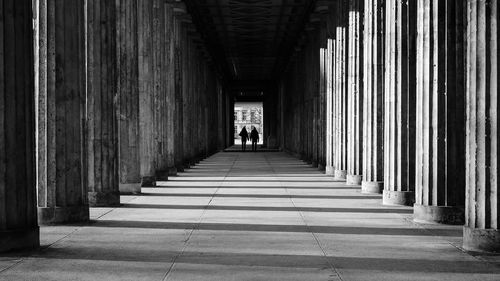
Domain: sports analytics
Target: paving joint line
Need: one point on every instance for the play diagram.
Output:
(325, 255)
(47, 247)
(39, 250)
(429, 230)
(196, 226)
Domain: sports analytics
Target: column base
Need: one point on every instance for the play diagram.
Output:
(19, 239)
(353, 179)
(480, 240)
(62, 215)
(148, 182)
(179, 168)
(330, 171)
(104, 199)
(398, 198)
(372, 187)
(172, 171)
(162, 175)
(438, 214)
(321, 167)
(340, 174)
(130, 188)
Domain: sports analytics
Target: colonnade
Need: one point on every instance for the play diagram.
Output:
(122, 94)
(396, 96)
(411, 105)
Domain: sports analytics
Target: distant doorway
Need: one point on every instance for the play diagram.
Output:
(249, 115)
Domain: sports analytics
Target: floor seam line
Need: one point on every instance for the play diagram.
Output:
(332, 266)
(196, 226)
(422, 227)
(40, 250)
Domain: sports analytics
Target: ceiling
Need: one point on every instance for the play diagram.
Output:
(250, 40)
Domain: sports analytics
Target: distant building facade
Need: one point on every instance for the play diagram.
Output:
(248, 114)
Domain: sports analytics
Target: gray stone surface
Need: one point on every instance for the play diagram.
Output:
(355, 81)
(128, 96)
(440, 102)
(373, 100)
(482, 232)
(61, 112)
(250, 216)
(102, 123)
(399, 98)
(18, 225)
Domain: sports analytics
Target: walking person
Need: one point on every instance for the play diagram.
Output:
(254, 137)
(244, 138)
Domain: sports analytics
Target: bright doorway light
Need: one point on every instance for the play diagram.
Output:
(249, 115)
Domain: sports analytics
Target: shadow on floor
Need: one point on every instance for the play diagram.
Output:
(269, 260)
(273, 209)
(277, 228)
(377, 197)
(345, 187)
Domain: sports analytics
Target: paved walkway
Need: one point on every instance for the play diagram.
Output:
(250, 216)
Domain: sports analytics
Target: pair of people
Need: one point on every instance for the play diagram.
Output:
(254, 137)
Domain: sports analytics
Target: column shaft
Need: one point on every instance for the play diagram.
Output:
(62, 174)
(159, 90)
(170, 111)
(187, 141)
(440, 159)
(220, 117)
(330, 118)
(102, 124)
(179, 103)
(481, 231)
(18, 218)
(147, 140)
(400, 94)
(321, 104)
(373, 107)
(355, 93)
(340, 100)
(128, 97)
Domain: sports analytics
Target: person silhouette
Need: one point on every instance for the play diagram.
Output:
(244, 138)
(254, 137)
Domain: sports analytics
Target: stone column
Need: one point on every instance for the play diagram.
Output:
(340, 100)
(187, 106)
(18, 218)
(400, 92)
(128, 97)
(220, 116)
(330, 118)
(440, 147)
(179, 103)
(481, 230)
(355, 93)
(62, 174)
(147, 144)
(322, 95)
(102, 101)
(170, 111)
(321, 106)
(159, 90)
(373, 107)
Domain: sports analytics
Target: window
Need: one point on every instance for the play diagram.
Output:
(244, 115)
(236, 115)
